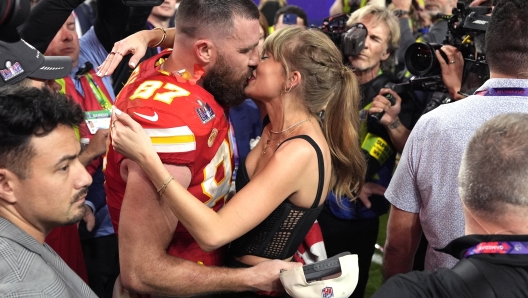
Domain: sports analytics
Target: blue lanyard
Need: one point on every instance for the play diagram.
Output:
(500, 247)
(504, 92)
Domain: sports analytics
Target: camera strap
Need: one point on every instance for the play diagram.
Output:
(503, 92)
(466, 269)
(475, 281)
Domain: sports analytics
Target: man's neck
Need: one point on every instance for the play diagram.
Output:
(509, 223)
(365, 76)
(180, 60)
(498, 75)
(15, 218)
(158, 23)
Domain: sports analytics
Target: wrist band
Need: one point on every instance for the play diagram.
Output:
(162, 38)
(161, 190)
(401, 12)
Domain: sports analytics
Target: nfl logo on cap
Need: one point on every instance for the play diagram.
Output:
(327, 292)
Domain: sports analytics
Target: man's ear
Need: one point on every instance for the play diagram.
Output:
(7, 179)
(385, 55)
(205, 51)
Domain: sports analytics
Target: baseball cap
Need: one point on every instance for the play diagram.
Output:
(295, 284)
(20, 60)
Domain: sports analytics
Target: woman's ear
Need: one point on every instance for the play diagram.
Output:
(294, 79)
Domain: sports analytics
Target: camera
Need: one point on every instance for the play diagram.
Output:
(464, 25)
(349, 41)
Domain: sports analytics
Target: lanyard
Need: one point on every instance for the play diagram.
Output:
(101, 97)
(504, 92)
(502, 247)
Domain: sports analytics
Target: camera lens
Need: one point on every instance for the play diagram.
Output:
(420, 59)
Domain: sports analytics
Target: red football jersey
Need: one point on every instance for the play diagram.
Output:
(187, 127)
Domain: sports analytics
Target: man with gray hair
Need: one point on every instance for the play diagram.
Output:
(424, 189)
(494, 196)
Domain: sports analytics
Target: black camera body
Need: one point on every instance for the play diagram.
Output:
(349, 41)
(464, 25)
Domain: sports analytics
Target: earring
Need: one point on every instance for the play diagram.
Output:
(289, 89)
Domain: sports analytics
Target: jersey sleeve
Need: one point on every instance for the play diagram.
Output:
(172, 137)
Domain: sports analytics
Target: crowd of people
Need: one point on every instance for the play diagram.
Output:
(238, 143)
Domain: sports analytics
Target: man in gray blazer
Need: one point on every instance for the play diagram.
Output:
(42, 185)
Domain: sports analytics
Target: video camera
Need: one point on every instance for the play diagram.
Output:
(465, 25)
(349, 41)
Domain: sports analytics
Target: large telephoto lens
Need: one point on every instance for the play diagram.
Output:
(420, 59)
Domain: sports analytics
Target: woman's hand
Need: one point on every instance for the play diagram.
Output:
(130, 139)
(136, 44)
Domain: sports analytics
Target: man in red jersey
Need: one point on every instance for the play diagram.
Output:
(190, 132)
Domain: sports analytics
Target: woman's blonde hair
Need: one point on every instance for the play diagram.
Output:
(328, 85)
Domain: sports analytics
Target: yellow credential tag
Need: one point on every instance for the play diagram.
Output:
(376, 147)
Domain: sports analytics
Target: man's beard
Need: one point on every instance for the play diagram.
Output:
(78, 216)
(224, 84)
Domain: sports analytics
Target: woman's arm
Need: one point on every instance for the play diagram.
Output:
(135, 44)
(283, 175)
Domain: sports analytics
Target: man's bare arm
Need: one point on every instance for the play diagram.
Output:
(403, 237)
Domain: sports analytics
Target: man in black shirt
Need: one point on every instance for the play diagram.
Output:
(494, 252)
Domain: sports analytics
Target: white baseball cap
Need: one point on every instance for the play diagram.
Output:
(295, 284)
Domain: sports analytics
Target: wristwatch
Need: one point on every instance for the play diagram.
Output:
(401, 12)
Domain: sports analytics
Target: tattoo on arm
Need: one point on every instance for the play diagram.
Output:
(395, 124)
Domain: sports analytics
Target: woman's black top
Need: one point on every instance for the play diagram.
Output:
(281, 233)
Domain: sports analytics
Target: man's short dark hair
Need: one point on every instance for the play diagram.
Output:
(506, 42)
(495, 166)
(27, 112)
(291, 9)
(197, 16)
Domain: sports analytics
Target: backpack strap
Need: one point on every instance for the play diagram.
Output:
(476, 282)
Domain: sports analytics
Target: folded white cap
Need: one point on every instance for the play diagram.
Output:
(295, 284)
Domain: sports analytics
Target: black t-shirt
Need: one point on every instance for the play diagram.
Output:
(505, 273)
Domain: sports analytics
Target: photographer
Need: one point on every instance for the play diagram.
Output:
(424, 188)
(437, 32)
(380, 141)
